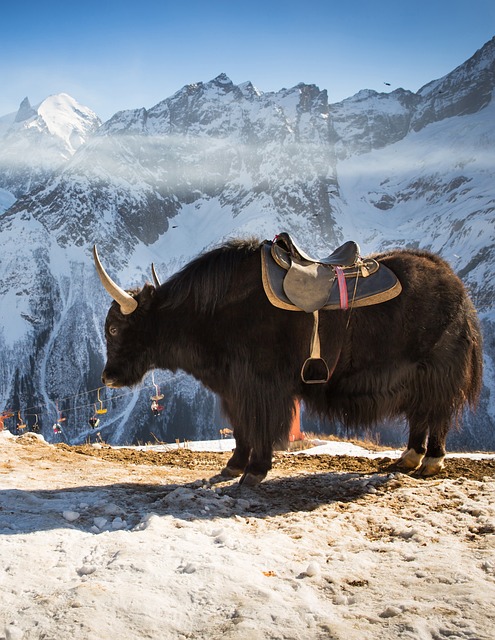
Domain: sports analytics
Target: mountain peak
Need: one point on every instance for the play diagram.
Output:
(222, 84)
(25, 111)
(466, 89)
(67, 119)
(222, 79)
(41, 139)
(248, 89)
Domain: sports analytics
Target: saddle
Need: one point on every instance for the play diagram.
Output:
(284, 246)
(294, 281)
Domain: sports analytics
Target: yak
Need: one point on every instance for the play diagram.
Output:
(416, 356)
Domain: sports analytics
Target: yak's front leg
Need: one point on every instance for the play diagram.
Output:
(257, 426)
(240, 458)
(251, 465)
(259, 465)
(239, 461)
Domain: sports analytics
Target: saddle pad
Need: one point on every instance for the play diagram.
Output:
(380, 286)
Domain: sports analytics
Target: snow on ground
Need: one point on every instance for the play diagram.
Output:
(332, 447)
(92, 549)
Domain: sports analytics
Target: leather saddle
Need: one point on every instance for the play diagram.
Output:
(345, 256)
(294, 281)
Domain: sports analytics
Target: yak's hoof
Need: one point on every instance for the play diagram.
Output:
(409, 460)
(231, 472)
(252, 479)
(431, 466)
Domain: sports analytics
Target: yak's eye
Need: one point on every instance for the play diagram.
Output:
(112, 330)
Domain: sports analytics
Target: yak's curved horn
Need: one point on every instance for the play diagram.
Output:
(127, 303)
(156, 279)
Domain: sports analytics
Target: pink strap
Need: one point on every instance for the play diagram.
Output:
(344, 300)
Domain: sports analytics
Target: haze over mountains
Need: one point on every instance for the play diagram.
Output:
(212, 161)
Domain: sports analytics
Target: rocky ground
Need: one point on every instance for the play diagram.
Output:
(283, 464)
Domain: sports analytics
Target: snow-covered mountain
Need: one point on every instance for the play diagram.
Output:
(215, 160)
(37, 141)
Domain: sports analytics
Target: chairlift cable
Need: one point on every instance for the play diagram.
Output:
(62, 412)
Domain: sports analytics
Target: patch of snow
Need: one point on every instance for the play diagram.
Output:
(368, 557)
(7, 199)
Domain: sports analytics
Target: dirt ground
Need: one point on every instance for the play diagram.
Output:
(283, 464)
(295, 484)
(63, 465)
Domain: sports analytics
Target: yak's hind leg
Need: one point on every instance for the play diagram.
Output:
(443, 383)
(425, 453)
(410, 459)
(413, 456)
(434, 460)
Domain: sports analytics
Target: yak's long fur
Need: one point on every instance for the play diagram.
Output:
(417, 355)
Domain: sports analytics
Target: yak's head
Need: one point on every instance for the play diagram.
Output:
(128, 332)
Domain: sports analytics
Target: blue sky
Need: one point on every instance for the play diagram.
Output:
(113, 55)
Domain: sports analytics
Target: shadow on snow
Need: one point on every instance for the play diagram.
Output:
(23, 511)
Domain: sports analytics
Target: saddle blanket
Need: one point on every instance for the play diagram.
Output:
(367, 283)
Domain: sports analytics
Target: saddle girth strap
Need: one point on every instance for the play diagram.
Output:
(344, 298)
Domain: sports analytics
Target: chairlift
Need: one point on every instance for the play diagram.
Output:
(156, 408)
(57, 427)
(36, 427)
(94, 421)
(158, 395)
(3, 416)
(102, 409)
(61, 417)
(20, 424)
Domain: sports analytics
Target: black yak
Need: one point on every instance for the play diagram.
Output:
(417, 355)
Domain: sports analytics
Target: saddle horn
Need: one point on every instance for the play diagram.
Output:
(127, 303)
